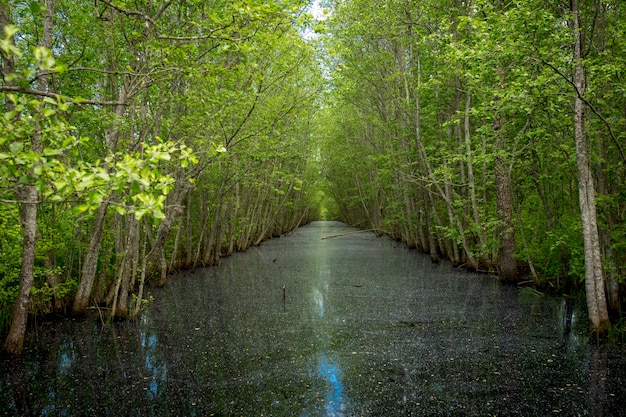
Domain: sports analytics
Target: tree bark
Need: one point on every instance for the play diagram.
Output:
(157, 248)
(88, 275)
(594, 281)
(28, 196)
(507, 264)
(90, 265)
(28, 199)
(470, 176)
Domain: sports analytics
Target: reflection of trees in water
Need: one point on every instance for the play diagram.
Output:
(567, 308)
(598, 372)
(21, 397)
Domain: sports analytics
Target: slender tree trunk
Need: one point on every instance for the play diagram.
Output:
(52, 275)
(454, 255)
(233, 214)
(128, 269)
(189, 230)
(612, 277)
(594, 281)
(90, 265)
(507, 263)
(13, 344)
(28, 200)
(28, 196)
(470, 176)
(163, 232)
(174, 255)
(432, 242)
(604, 181)
(142, 278)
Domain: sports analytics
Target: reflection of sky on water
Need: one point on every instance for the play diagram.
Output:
(318, 297)
(332, 375)
(327, 369)
(334, 401)
(159, 372)
(67, 355)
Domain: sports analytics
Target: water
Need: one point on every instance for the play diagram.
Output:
(327, 322)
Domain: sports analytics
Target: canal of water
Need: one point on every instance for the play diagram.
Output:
(327, 322)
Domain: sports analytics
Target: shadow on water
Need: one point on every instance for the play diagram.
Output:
(328, 322)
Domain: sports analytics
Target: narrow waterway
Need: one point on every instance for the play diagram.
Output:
(327, 322)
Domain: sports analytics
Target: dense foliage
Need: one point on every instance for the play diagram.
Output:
(470, 129)
(141, 137)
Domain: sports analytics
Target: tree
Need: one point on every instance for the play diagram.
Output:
(26, 189)
(594, 281)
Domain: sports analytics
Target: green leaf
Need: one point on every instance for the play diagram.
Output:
(10, 30)
(158, 214)
(81, 208)
(40, 185)
(140, 213)
(47, 112)
(51, 152)
(35, 7)
(103, 175)
(16, 147)
(60, 184)
(134, 188)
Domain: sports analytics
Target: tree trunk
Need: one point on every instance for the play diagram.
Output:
(163, 232)
(90, 265)
(507, 264)
(594, 282)
(88, 275)
(142, 277)
(430, 230)
(28, 201)
(454, 255)
(470, 175)
(605, 182)
(28, 210)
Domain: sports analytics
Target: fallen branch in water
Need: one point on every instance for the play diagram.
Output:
(349, 233)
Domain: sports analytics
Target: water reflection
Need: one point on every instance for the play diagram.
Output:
(156, 373)
(335, 406)
(365, 328)
(318, 298)
(327, 370)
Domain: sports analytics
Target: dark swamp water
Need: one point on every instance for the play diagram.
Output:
(366, 328)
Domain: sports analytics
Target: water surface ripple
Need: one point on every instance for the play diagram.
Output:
(327, 322)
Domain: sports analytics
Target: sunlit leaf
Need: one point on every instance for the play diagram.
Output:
(16, 147)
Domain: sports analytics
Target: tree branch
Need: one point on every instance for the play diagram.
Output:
(144, 16)
(588, 104)
(14, 89)
(152, 22)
